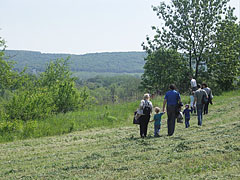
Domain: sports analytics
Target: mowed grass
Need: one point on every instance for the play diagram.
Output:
(208, 152)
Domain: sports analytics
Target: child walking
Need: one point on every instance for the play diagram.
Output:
(186, 112)
(157, 121)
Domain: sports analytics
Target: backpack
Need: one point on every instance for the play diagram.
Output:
(147, 108)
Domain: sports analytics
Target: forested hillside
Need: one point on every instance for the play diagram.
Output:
(114, 62)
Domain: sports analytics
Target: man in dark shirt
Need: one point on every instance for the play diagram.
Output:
(172, 98)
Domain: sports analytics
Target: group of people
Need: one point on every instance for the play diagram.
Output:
(201, 96)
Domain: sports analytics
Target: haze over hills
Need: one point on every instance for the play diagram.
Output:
(94, 63)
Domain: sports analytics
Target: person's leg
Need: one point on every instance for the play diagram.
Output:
(141, 126)
(157, 130)
(171, 110)
(186, 125)
(206, 108)
(187, 122)
(199, 114)
(146, 121)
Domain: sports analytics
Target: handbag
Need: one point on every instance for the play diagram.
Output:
(136, 119)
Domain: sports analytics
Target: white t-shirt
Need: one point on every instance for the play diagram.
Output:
(193, 83)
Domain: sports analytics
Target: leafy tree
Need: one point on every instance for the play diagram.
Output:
(224, 59)
(189, 27)
(163, 67)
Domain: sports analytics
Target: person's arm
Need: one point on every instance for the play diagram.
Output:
(152, 119)
(195, 100)
(164, 104)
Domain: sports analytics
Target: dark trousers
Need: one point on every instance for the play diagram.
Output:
(199, 113)
(205, 110)
(172, 115)
(144, 120)
(187, 124)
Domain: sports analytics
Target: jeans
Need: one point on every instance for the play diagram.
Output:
(172, 115)
(206, 108)
(199, 113)
(144, 120)
(187, 122)
(156, 130)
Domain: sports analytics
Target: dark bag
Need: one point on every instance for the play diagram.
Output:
(135, 121)
(146, 108)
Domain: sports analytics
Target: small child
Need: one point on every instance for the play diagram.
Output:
(157, 124)
(186, 112)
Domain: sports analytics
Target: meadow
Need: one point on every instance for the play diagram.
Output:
(114, 150)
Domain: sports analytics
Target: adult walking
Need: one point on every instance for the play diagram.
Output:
(172, 98)
(198, 99)
(210, 96)
(193, 83)
(146, 107)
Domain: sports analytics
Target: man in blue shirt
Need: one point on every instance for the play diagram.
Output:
(172, 98)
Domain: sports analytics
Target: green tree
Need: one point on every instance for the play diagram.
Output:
(163, 67)
(189, 27)
(224, 59)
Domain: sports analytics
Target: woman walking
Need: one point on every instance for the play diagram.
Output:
(146, 107)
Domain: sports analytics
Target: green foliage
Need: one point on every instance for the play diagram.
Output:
(114, 89)
(190, 27)
(164, 67)
(28, 105)
(224, 59)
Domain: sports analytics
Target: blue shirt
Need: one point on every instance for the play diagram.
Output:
(187, 113)
(172, 97)
(157, 118)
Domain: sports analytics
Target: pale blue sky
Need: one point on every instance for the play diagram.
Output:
(78, 26)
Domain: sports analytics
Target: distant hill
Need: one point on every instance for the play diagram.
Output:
(108, 62)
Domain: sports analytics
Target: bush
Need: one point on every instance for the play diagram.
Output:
(28, 105)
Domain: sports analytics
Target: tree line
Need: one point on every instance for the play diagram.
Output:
(116, 62)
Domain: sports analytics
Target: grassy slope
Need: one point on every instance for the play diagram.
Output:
(208, 152)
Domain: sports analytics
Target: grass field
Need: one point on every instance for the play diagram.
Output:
(208, 152)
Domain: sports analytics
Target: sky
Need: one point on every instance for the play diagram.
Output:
(79, 26)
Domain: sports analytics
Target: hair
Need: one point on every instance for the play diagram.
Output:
(199, 85)
(187, 105)
(172, 87)
(157, 109)
(204, 84)
(146, 96)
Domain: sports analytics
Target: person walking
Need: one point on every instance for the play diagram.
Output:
(193, 83)
(186, 112)
(146, 107)
(157, 121)
(172, 99)
(198, 99)
(210, 96)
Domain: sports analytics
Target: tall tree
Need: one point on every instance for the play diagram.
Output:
(189, 27)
